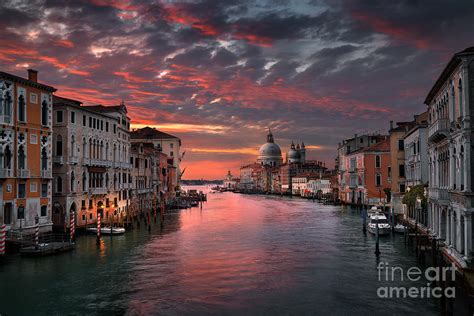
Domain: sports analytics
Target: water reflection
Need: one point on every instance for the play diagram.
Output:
(239, 254)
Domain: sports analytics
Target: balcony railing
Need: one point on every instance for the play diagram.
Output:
(98, 191)
(74, 160)
(58, 159)
(5, 173)
(46, 174)
(146, 190)
(438, 194)
(100, 163)
(438, 130)
(23, 173)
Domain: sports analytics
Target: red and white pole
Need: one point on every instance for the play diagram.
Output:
(3, 236)
(72, 226)
(37, 229)
(98, 228)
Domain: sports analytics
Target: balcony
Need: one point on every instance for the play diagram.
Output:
(23, 173)
(100, 163)
(58, 160)
(73, 160)
(98, 191)
(46, 174)
(438, 194)
(5, 173)
(438, 130)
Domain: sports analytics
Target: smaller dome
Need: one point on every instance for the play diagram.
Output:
(293, 154)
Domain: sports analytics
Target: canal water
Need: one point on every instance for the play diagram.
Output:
(240, 254)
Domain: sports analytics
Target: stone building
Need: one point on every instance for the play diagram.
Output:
(450, 134)
(91, 156)
(168, 144)
(416, 152)
(25, 152)
(366, 175)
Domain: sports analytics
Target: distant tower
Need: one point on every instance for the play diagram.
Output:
(293, 154)
(303, 152)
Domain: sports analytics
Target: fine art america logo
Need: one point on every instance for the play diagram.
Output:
(434, 277)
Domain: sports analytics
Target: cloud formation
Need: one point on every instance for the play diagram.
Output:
(218, 73)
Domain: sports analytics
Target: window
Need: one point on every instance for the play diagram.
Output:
(171, 145)
(90, 122)
(44, 190)
(401, 170)
(101, 125)
(59, 184)
(115, 128)
(83, 204)
(21, 212)
(21, 190)
(33, 98)
(33, 139)
(44, 159)
(460, 98)
(33, 187)
(115, 202)
(7, 108)
(106, 126)
(59, 145)
(402, 187)
(401, 145)
(72, 184)
(377, 161)
(59, 116)
(84, 181)
(171, 154)
(21, 158)
(84, 120)
(146, 163)
(21, 109)
(90, 204)
(44, 113)
(44, 210)
(7, 213)
(378, 180)
(73, 117)
(94, 122)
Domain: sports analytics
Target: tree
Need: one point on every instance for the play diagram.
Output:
(418, 191)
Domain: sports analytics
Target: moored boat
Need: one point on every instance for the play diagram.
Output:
(399, 228)
(380, 220)
(107, 230)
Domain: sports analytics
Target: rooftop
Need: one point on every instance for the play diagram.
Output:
(27, 82)
(150, 133)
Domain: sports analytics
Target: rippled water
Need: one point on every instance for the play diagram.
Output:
(240, 254)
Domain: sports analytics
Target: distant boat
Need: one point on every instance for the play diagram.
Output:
(399, 228)
(107, 230)
(380, 220)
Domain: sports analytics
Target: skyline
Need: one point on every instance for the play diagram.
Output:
(217, 75)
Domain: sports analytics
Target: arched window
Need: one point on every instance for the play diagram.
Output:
(7, 108)
(21, 157)
(84, 148)
(107, 180)
(21, 108)
(59, 145)
(460, 98)
(44, 159)
(84, 181)
(73, 179)
(8, 158)
(461, 167)
(115, 152)
(59, 184)
(106, 151)
(44, 113)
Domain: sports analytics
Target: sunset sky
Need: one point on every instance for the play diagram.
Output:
(218, 73)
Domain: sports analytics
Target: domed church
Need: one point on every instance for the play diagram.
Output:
(296, 154)
(269, 153)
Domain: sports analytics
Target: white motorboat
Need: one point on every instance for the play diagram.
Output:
(399, 228)
(107, 230)
(380, 220)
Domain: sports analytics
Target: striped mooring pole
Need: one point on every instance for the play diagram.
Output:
(3, 236)
(98, 228)
(72, 226)
(37, 229)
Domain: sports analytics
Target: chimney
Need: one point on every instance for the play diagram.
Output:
(33, 75)
(391, 124)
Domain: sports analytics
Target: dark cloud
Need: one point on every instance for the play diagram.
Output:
(316, 71)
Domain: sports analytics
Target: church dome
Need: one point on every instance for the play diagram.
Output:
(293, 154)
(270, 149)
(269, 153)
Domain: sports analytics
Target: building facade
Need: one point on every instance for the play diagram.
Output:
(416, 153)
(169, 145)
(450, 135)
(91, 163)
(25, 152)
(366, 175)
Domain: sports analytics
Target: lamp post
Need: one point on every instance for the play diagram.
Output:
(417, 212)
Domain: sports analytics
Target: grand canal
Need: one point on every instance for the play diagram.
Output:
(240, 254)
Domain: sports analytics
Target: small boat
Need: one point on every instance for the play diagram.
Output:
(194, 203)
(399, 228)
(107, 230)
(380, 220)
